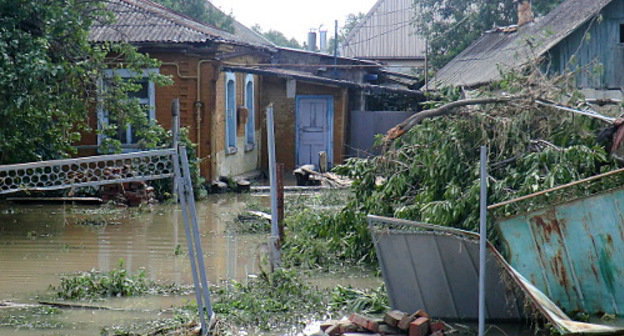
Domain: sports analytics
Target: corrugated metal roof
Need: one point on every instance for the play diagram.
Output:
(386, 32)
(141, 21)
(498, 51)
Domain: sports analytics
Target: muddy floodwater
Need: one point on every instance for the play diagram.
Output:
(40, 243)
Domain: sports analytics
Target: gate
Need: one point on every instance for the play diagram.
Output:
(113, 169)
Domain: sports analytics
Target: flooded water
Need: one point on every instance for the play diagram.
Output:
(38, 244)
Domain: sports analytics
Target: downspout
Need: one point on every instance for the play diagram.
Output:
(198, 106)
(198, 103)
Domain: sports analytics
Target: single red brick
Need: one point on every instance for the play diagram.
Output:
(393, 317)
(406, 320)
(364, 322)
(420, 327)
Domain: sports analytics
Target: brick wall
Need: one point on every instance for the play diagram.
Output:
(274, 91)
(185, 88)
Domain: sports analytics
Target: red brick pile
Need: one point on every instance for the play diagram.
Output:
(394, 323)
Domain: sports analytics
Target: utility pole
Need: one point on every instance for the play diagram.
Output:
(336, 47)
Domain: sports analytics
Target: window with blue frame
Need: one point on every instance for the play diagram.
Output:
(230, 113)
(146, 96)
(250, 127)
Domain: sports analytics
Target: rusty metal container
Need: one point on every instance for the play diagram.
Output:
(573, 252)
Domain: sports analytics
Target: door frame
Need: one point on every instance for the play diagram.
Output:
(330, 124)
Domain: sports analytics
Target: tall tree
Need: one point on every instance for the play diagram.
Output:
(201, 11)
(452, 25)
(277, 37)
(48, 76)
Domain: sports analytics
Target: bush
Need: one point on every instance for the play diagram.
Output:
(117, 282)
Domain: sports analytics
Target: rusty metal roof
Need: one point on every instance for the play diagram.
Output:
(497, 51)
(144, 21)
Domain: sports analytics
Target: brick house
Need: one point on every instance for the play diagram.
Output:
(224, 82)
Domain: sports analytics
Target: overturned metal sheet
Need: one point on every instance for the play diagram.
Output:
(439, 272)
(436, 268)
(572, 252)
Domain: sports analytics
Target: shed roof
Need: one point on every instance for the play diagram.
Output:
(497, 50)
(144, 21)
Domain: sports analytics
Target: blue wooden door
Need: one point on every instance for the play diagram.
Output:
(314, 129)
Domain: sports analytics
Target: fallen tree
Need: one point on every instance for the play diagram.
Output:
(430, 172)
(446, 109)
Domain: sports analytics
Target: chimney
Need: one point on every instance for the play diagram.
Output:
(525, 12)
(323, 40)
(312, 40)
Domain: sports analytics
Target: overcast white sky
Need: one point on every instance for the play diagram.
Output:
(294, 18)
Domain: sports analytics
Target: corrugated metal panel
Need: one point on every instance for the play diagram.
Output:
(573, 252)
(387, 31)
(439, 273)
(494, 52)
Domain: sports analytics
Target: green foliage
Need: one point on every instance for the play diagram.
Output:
(284, 299)
(163, 188)
(272, 299)
(432, 173)
(277, 37)
(317, 238)
(368, 301)
(117, 282)
(452, 25)
(202, 11)
(48, 76)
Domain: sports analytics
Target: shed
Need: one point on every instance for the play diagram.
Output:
(583, 35)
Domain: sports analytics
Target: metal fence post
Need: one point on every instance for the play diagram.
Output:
(175, 136)
(193, 239)
(195, 230)
(274, 239)
(483, 239)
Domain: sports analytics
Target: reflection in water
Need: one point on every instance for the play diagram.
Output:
(38, 244)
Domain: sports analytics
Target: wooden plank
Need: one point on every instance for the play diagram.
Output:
(55, 199)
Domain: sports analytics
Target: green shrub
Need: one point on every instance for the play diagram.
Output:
(117, 282)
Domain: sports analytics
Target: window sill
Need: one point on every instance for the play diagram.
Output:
(249, 147)
(231, 150)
